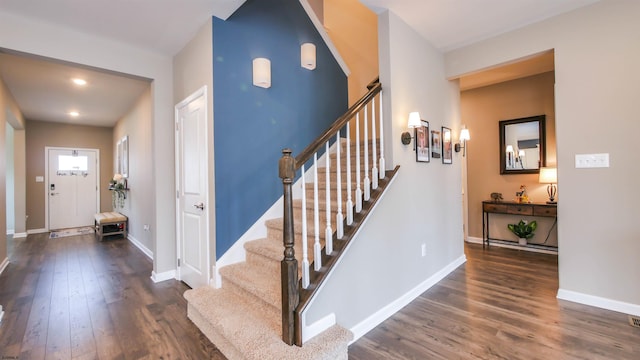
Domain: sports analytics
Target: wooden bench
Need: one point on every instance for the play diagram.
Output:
(110, 223)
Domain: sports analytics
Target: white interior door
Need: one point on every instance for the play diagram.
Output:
(72, 187)
(192, 182)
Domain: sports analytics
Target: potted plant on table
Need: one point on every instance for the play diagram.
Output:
(524, 230)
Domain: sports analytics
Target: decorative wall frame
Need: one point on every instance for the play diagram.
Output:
(122, 156)
(421, 136)
(447, 146)
(436, 143)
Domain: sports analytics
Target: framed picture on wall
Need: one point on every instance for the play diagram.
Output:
(447, 146)
(421, 137)
(435, 144)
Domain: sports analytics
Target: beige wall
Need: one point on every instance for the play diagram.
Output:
(481, 110)
(40, 134)
(137, 124)
(353, 29)
(597, 53)
(193, 69)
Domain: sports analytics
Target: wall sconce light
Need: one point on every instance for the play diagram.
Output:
(549, 175)
(464, 137)
(262, 72)
(412, 123)
(308, 56)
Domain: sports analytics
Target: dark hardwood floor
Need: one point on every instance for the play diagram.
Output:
(76, 298)
(500, 305)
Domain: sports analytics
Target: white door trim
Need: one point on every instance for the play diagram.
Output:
(198, 93)
(46, 178)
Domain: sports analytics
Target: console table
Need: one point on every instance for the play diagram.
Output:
(513, 208)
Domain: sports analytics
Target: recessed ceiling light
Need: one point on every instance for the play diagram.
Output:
(74, 113)
(80, 82)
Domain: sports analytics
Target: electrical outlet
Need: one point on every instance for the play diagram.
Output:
(424, 249)
(146, 227)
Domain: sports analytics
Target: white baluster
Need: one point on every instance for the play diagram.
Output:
(339, 216)
(305, 251)
(367, 180)
(349, 201)
(328, 234)
(317, 249)
(382, 164)
(358, 189)
(374, 159)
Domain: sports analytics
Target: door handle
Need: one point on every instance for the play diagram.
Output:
(54, 193)
(199, 206)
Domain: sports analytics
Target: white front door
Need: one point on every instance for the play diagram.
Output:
(72, 187)
(191, 182)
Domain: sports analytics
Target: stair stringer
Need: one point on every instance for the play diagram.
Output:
(309, 331)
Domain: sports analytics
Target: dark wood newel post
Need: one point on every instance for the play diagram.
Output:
(289, 265)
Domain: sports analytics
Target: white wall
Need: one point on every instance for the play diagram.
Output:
(193, 69)
(597, 53)
(384, 268)
(39, 38)
(137, 125)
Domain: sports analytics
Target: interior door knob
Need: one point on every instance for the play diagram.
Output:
(199, 206)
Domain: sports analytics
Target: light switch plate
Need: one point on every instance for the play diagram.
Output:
(592, 161)
(39, 178)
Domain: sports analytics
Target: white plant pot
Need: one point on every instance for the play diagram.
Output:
(522, 241)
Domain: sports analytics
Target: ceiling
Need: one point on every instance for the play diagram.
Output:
(450, 24)
(44, 92)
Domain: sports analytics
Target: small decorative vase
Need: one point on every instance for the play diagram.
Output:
(522, 241)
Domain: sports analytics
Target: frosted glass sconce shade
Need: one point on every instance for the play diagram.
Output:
(462, 144)
(308, 56)
(412, 123)
(414, 120)
(262, 72)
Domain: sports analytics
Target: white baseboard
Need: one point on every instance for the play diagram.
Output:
(600, 302)
(477, 240)
(10, 231)
(383, 314)
(139, 245)
(21, 235)
(37, 231)
(317, 327)
(163, 276)
(4, 264)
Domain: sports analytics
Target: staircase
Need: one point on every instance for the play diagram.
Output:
(245, 318)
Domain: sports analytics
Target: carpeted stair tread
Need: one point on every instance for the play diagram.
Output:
(273, 250)
(278, 224)
(264, 285)
(234, 328)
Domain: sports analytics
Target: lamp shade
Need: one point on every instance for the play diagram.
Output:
(414, 120)
(464, 135)
(308, 56)
(509, 148)
(262, 72)
(548, 175)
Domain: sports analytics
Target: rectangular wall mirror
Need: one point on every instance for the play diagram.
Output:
(522, 145)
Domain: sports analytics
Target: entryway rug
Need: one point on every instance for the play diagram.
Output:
(71, 232)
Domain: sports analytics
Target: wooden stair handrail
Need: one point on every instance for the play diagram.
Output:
(308, 152)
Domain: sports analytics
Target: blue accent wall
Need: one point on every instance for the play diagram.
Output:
(252, 125)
